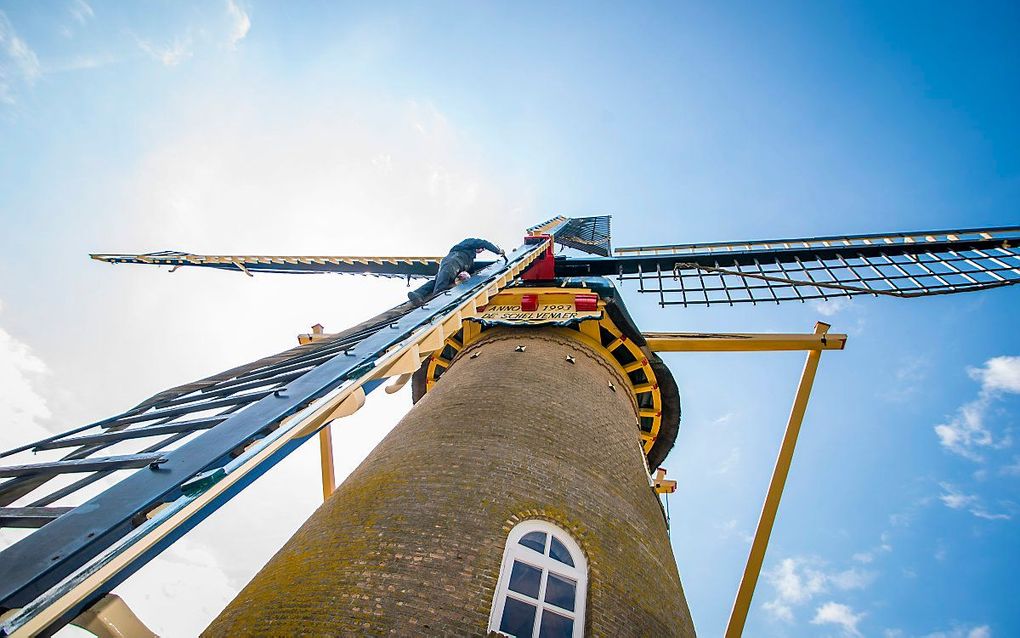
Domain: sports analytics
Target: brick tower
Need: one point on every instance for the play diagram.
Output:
(514, 496)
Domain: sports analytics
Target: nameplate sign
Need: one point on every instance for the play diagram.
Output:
(556, 314)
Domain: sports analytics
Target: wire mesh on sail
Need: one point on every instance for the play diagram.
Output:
(901, 265)
(588, 234)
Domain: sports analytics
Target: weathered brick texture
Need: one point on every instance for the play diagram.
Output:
(411, 543)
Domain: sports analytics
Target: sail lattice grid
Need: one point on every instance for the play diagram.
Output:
(587, 234)
(900, 265)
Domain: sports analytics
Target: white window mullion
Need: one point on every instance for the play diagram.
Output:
(541, 601)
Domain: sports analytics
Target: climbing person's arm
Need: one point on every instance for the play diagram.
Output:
(474, 244)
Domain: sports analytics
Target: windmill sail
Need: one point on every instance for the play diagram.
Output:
(412, 267)
(588, 234)
(772, 271)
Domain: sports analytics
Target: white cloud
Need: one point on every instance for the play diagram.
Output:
(1013, 469)
(999, 374)
(867, 557)
(908, 378)
(723, 419)
(797, 580)
(884, 539)
(240, 22)
(906, 517)
(966, 433)
(81, 11)
(953, 498)
(779, 610)
(730, 529)
(831, 307)
(980, 512)
(79, 63)
(852, 578)
(794, 582)
(18, 62)
(980, 631)
(22, 406)
(838, 614)
(170, 55)
(730, 462)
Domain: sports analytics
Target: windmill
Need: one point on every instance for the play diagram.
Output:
(519, 495)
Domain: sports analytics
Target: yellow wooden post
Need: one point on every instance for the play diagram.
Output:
(742, 604)
(326, 456)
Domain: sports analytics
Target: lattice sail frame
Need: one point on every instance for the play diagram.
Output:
(900, 265)
(587, 234)
(409, 267)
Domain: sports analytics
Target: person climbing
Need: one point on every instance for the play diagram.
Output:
(453, 268)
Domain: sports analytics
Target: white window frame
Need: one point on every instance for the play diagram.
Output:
(514, 550)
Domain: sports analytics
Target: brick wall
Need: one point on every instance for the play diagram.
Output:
(411, 543)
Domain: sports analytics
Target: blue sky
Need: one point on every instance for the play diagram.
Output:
(343, 128)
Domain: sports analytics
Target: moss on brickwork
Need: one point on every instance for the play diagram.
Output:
(411, 543)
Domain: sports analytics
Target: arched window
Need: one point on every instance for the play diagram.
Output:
(542, 584)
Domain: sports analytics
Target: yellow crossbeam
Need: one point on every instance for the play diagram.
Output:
(741, 342)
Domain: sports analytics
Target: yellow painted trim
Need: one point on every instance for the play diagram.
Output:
(634, 367)
(591, 328)
(398, 383)
(433, 341)
(589, 332)
(543, 229)
(346, 407)
(407, 363)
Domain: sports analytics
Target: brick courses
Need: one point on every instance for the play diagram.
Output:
(411, 543)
